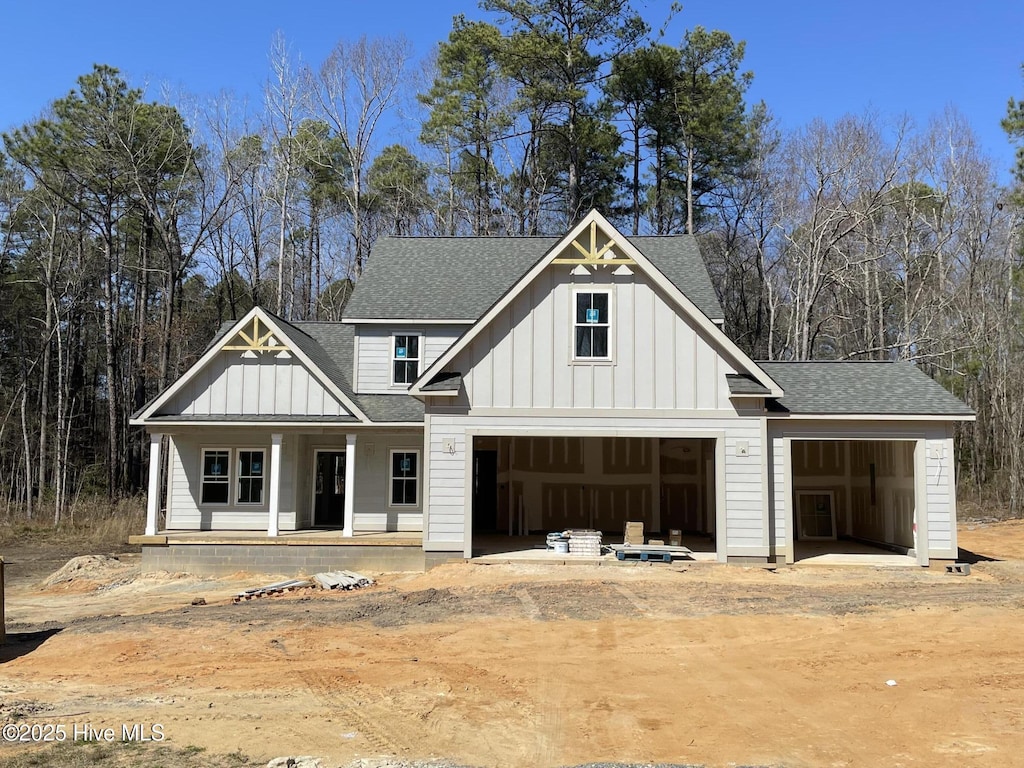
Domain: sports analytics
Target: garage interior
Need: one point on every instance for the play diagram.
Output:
(526, 487)
(853, 497)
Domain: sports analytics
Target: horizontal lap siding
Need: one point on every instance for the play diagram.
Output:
(185, 512)
(941, 516)
(744, 499)
(373, 375)
(371, 508)
(449, 506)
(447, 486)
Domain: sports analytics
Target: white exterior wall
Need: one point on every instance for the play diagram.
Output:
(660, 360)
(741, 514)
(373, 352)
(940, 486)
(184, 510)
(263, 385)
(935, 512)
(371, 502)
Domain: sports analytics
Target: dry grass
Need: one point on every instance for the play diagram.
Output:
(123, 755)
(94, 522)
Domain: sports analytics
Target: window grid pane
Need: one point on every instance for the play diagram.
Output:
(404, 478)
(215, 477)
(406, 359)
(592, 323)
(250, 477)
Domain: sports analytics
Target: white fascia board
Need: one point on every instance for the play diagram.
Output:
(305, 425)
(644, 263)
(160, 400)
(214, 350)
(405, 321)
(870, 417)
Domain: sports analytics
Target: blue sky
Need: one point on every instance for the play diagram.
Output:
(811, 58)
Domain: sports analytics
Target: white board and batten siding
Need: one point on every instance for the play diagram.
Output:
(184, 488)
(659, 358)
(373, 352)
(264, 385)
(741, 512)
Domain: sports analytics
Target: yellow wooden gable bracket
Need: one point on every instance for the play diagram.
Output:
(592, 255)
(259, 339)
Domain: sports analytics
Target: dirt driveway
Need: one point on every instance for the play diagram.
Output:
(543, 666)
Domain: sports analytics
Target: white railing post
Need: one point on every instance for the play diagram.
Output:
(350, 484)
(274, 499)
(153, 500)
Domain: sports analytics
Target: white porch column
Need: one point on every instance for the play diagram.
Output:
(274, 497)
(350, 484)
(153, 500)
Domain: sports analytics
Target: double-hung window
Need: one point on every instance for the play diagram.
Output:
(405, 358)
(245, 476)
(405, 478)
(216, 476)
(250, 477)
(592, 325)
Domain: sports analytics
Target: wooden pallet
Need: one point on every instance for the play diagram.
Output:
(646, 552)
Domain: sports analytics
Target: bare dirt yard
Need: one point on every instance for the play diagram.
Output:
(499, 665)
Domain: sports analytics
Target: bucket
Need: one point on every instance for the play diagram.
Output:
(561, 546)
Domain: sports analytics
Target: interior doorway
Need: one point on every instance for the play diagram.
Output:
(329, 489)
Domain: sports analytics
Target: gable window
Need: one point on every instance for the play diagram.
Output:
(216, 480)
(592, 325)
(250, 477)
(405, 478)
(405, 358)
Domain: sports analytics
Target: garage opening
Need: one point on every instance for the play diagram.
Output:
(853, 498)
(526, 487)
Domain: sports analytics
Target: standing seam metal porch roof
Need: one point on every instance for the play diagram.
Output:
(459, 278)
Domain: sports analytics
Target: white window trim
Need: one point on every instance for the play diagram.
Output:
(392, 359)
(610, 358)
(236, 485)
(233, 476)
(391, 478)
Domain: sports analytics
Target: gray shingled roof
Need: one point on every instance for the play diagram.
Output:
(861, 388)
(443, 382)
(335, 343)
(745, 384)
(459, 278)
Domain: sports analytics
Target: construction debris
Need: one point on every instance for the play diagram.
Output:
(274, 589)
(342, 580)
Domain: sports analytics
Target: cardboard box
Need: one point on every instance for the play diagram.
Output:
(675, 538)
(634, 533)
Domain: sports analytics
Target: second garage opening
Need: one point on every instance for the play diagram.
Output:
(853, 497)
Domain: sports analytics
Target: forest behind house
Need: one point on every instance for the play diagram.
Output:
(131, 229)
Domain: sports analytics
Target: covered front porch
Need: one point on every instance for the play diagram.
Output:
(240, 479)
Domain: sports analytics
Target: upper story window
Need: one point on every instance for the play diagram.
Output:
(592, 325)
(405, 358)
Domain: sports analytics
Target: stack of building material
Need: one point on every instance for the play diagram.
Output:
(273, 589)
(585, 543)
(634, 533)
(342, 580)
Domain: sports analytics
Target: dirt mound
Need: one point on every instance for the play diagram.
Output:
(89, 571)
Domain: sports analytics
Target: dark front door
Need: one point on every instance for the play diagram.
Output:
(329, 491)
(485, 491)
